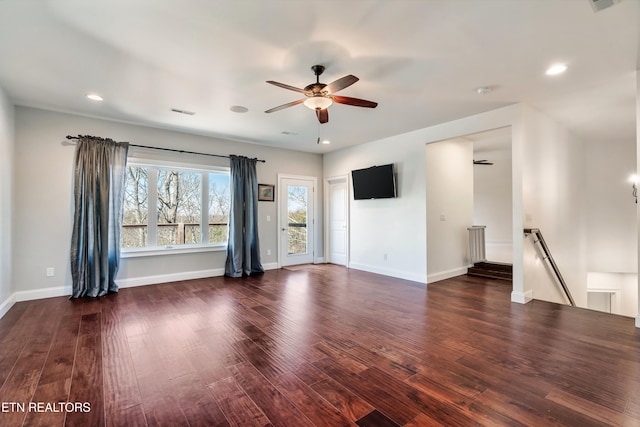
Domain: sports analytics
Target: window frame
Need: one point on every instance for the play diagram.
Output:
(152, 206)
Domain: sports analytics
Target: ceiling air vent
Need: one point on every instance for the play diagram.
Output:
(188, 113)
(599, 5)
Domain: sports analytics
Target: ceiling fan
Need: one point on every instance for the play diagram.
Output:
(482, 162)
(320, 96)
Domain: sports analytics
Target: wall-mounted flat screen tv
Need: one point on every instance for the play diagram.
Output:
(376, 182)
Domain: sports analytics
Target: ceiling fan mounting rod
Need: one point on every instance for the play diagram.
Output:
(318, 69)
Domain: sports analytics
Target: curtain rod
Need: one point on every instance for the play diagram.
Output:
(158, 148)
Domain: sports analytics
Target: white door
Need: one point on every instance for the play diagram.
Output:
(296, 218)
(338, 232)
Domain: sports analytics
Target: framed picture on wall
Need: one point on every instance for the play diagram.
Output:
(266, 192)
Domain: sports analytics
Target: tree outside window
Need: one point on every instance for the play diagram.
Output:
(179, 202)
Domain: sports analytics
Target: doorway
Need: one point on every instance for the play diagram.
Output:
(468, 183)
(296, 220)
(337, 214)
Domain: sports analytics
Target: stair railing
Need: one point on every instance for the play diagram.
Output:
(547, 255)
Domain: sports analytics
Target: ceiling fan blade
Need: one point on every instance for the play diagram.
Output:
(354, 101)
(284, 86)
(323, 115)
(482, 162)
(283, 106)
(341, 83)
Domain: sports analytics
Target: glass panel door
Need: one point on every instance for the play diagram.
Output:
(296, 221)
(297, 213)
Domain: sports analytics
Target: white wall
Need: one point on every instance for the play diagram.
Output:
(611, 221)
(492, 202)
(638, 172)
(7, 142)
(395, 227)
(398, 226)
(624, 288)
(553, 184)
(43, 203)
(449, 174)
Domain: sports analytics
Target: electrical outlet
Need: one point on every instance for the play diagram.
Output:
(385, 257)
(443, 217)
(50, 272)
(268, 251)
(268, 218)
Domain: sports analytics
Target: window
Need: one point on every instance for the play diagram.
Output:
(168, 207)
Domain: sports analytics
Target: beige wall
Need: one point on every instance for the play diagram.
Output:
(43, 204)
(449, 169)
(6, 198)
(404, 235)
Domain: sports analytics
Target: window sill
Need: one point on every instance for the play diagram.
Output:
(170, 250)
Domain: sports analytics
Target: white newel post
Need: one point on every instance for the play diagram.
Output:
(476, 243)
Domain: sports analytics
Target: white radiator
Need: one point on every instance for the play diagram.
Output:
(476, 243)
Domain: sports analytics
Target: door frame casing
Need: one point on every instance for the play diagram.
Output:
(327, 215)
(314, 179)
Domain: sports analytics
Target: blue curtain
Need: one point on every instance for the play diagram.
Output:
(243, 247)
(99, 178)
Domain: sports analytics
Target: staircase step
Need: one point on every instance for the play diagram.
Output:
(493, 270)
(490, 274)
(495, 266)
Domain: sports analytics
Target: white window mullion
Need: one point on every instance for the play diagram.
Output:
(152, 216)
(204, 211)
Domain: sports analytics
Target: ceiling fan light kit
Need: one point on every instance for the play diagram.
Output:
(318, 102)
(320, 96)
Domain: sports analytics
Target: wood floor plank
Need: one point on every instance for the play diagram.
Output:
(317, 345)
(595, 411)
(56, 377)
(375, 419)
(423, 401)
(349, 404)
(237, 406)
(317, 409)
(279, 410)
(373, 393)
(131, 416)
(197, 403)
(23, 377)
(87, 386)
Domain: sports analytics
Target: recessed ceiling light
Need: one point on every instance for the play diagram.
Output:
(326, 141)
(556, 69)
(239, 109)
(94, 97)
(483, 90)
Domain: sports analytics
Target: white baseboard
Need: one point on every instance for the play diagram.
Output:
(270, 266)
(172, 277)
(389, 272)
(521, 297)
(7, 304)
(448, 274)
(57, 291)
(319, 260)
(20, 296)
(177, 277)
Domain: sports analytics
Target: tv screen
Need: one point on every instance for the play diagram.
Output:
(376, 182)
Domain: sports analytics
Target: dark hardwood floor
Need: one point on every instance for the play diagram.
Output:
(316, 346)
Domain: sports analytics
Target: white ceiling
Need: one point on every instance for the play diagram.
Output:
(420, 60)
